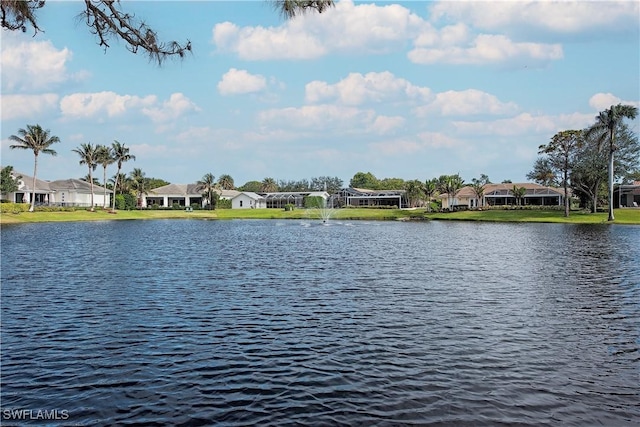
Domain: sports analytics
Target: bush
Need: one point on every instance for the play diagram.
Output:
(176, 206)
(196, 206)
(9, 207)
(289, 207)
(224, 204)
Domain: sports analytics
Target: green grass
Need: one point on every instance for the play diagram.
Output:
(623, 216)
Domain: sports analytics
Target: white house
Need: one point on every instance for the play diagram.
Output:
(181, 194)
(65, 192)
(248, 200)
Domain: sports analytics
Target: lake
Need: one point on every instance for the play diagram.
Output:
(277, 323)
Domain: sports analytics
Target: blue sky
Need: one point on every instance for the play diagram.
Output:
(409, 90)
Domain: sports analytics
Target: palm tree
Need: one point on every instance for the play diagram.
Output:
(86, 178)
(430, 190)
(604, 130)
(104, 158)
(226, 182)
(138, 184)
(478, 188)
(88, 156)
(414, 191)
(120, 155)
(450, 184)
(124, 183)
(268, 185)
(39, 140)
(518, 193)
(208, 186)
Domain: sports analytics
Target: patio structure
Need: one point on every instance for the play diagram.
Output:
(280, 200)
(358, 197)
(501, 195)
(182, 195)
(627, 195)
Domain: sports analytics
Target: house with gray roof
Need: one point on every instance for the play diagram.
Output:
(63, 192)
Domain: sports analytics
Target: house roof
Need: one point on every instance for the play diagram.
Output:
(75, 185)
(504, 190)
(251, 195)
(27, 181)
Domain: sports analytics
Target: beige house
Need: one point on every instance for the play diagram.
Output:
(502, 195)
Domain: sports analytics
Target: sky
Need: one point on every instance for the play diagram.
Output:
(409, 90)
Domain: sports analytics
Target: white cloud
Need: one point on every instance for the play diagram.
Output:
(25, 106)
(237, 81)
(365, 28)
(317, 117)
(466, 102)
(99, 104)
(32, 65)
(176, 106)
(103, 105)
(560, 17)
(385, 124)
(487, 48)
(526, 124)
(259, 43)
(356, 89)
(602, 101)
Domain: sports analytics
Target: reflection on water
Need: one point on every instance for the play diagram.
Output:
(285, 323)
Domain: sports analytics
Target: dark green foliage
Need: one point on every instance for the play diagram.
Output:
(314, 202)
(8, 184)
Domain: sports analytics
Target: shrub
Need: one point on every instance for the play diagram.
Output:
(9, 207)
(289, 207)
(224, 204)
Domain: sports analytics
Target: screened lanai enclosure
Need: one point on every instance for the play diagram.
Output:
(362, 197)
(297, 199)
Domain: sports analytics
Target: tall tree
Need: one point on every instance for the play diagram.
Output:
(139, 184)
(430, 190)
(225, 182)
(478, 188)
(88, 156)
(120, 155)
(518, 193)
(604, 130)
(9, 184)
(105, 158)
(269, 185)
(38, 140)
(208, 186)
(107, 21)
(450, 184)
(364, 180)
(542, 172)
(414, 191)
(561, 151)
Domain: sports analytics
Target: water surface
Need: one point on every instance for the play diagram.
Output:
(294, 323)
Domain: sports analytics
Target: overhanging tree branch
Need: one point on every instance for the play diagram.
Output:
(106, 20)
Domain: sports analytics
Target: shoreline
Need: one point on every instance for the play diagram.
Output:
(629, 216)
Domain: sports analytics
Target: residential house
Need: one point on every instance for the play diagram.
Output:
(182, 195)
(64, 192)
(501, 194)
(248, 200)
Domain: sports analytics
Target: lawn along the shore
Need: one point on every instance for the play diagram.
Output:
(622, 216)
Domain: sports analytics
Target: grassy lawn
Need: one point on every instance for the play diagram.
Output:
(623, 216)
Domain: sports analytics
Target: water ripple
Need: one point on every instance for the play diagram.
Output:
(284, 323)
